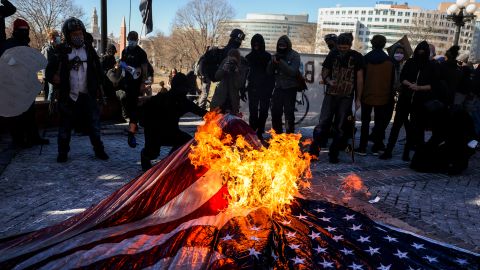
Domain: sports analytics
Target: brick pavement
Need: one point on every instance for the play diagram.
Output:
(36, 192)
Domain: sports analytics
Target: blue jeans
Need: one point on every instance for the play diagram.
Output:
(333, 106)
(71, 112)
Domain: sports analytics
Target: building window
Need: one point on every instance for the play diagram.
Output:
(331, 12)
(364, 12)
(429, 16)
(414, 15)
(350, 12)
(377, 12)
(370, 12)
(392, 12)
(399, 20)
(385, 12)
(377, 19)
(400, 13)
(407, 14)
(362, 19)
(368, 32)
(338, 12)
(392, 20)
(356, 12)
(360, 33)
(343, 12)
(407, 21)
(384, 19)
(369, 19)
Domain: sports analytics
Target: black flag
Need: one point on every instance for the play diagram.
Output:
(146, 11)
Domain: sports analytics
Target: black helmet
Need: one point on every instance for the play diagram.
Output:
(237, 33)
(70, 25)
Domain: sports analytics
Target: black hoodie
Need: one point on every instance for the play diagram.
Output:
(259, 81)
(419, 69)
(288, 68)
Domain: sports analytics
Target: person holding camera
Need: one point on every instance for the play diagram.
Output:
(232, 75)
(285, 65)
(77, 73)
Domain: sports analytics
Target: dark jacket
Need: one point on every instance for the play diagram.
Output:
(379, 77)
(398, 66)
(259, 81)
(62, 66)
(10, 43)
(108, 62)
(7, 9)
(286, 71)
(163, 111)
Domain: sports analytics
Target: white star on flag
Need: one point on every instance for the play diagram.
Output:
(293, 246)
(430, 259)
(337, 237)
(290, 234)
(254, 238)
(297, 260)
(372, 250)
(355, 266)
(330, 229)
(285, 222)
(364, 239)
(318, 210)
(390, 239)
(301, 217)
(356, 227)
(325, 219)
(346, 251)
(383, 267)
(253, 252)
(255, 228)
(314, 235)
(320, 250)
(461, 261)
(417, 246)
(349, 217)
(401, 255)
(227, 237)
(326, 264)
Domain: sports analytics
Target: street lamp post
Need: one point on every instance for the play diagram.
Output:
(460, 13)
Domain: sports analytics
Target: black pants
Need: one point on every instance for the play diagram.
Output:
(258, 106)
(85, 109)
(132, 91)
(403, 110)
(23, 127)
(154, 139)
(381, 120)
(340, 108)
(283, 102)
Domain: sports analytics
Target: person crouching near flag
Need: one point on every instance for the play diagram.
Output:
(160, 116)
(78, 75)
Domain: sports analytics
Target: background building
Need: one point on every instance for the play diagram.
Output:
(273, 26)
(393, 21)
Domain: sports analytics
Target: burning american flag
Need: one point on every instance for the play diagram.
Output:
(223, 201)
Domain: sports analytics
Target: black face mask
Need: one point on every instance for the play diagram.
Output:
(22, 36)
(282, 50)
(331, 46)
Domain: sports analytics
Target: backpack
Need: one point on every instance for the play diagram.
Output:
(209, 63)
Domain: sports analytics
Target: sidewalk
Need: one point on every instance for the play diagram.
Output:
(35, 191)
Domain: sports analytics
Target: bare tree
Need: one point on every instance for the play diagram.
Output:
(196, 26)
(43, 15)
(305, 43)
(422, 29)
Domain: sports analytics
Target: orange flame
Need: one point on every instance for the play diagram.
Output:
(352, 183)
(256, 176)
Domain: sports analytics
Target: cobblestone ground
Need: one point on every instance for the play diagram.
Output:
(36, 192)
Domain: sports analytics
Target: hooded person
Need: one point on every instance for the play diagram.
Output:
(232, 75)
(417, 77)
(77, 74)
(108, 62)
(331, 41)
(285, 65)
(377, 95)
(160, 116)
(260, 84)
(23, 128)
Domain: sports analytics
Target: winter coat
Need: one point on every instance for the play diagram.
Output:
(379, 76)
(259, 82)
(286, 71)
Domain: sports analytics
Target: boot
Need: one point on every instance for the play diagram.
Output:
(145, 161)
(100, 154)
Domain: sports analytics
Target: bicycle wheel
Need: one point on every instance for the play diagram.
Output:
(301, 108)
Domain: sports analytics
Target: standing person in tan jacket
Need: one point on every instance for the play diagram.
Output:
(377, 95)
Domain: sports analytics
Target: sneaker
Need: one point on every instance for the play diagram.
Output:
(62, 157)
(361, 151)
(386, 155)
(100, 154)
(333, 159)
(377, 149)
(146, 163)
(132, 142)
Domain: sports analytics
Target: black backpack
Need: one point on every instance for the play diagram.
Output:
(209, 63)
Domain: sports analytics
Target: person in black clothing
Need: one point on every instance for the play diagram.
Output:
(50, 52)
(343, 74)
(135, 62)
(109, 62)
(78, 75)
(161, 114)
(259, 85)
(23, 127)
(6, 9)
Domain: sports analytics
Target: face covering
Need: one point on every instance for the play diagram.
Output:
(398, 57)
(58, 40)
(77, 41)
(331, 46)
(132, 43)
